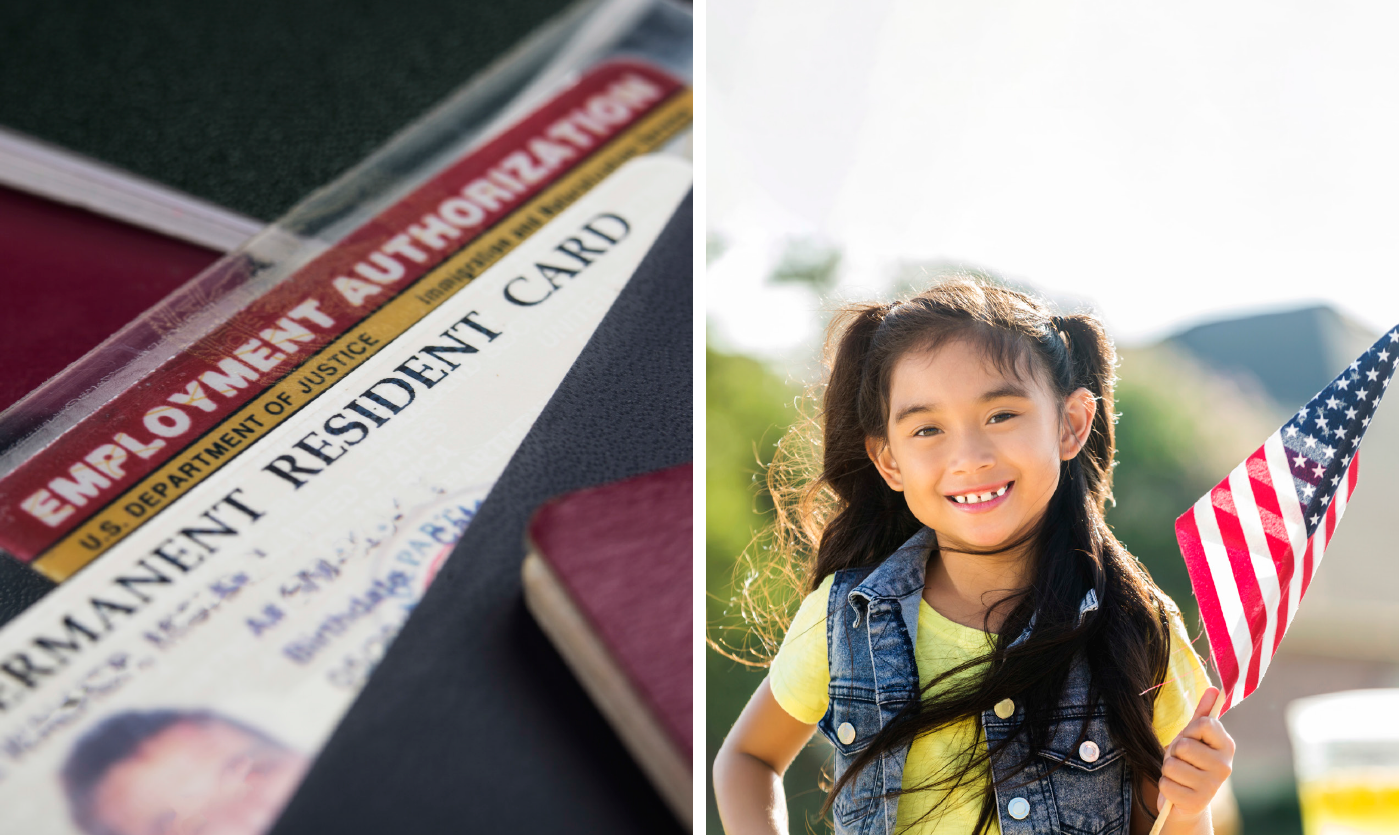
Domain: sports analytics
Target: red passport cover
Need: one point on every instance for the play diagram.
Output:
(70, 278)
(622, 553)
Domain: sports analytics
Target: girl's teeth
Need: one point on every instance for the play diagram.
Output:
(977, 498)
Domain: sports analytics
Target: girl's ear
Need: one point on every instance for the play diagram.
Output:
(878, 451)
(1079, 410)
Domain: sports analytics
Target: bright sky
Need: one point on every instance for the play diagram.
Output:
(1167, 162)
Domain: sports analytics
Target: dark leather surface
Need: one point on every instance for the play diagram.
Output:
(20, 587)
(472, 723)
(251, 104)
(60, 300)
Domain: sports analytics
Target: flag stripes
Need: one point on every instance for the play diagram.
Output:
(1239, 542)
(1294, 531)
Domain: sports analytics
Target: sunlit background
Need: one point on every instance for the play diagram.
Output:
(1219, 182)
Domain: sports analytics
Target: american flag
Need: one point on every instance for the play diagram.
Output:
(1254, 542)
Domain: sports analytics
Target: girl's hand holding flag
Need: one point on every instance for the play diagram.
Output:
(1197, 763)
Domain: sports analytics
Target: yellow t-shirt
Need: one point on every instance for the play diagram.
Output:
(800, 678)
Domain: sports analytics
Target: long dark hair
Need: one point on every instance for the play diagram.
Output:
(854, 519)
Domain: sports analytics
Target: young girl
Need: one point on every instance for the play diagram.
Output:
(981, 651)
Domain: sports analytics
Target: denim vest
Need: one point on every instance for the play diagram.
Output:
(871, 626)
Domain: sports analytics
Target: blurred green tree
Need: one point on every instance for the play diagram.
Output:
(748, 408)
(810, 263)
(1172, 447)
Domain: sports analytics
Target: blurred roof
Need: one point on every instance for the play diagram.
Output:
(1293, 354)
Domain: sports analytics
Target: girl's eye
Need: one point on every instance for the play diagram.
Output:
(1002, 417)
(926, 431)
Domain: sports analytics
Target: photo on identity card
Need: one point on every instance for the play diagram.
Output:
(1042, 346)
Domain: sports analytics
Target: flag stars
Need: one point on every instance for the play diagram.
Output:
(1322, 423)
(1335, 479)
(1372, 375)
(1291, 430)
(1351, 413)
(1333, 403)
(1314, 518)
(1308, 490)
(1330, 451)
(1343, 383)
(1300, 460)
(1340, 433)
(1394, 335)
(1384, 356)
(1302, 414)
(1318, 471)
(1309, 440)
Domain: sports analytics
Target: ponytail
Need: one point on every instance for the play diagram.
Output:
(1093, 360)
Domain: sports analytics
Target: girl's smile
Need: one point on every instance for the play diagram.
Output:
(979, 500)
(976, 452)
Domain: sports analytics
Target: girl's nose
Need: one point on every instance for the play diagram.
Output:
(971, 453)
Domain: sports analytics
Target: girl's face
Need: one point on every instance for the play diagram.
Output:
(976, 453)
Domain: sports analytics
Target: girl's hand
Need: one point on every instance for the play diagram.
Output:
(1197, 762)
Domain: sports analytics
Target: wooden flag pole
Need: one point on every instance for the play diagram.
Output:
(1166, 810)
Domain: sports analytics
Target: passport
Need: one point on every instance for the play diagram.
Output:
(607, 576)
